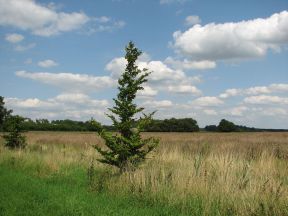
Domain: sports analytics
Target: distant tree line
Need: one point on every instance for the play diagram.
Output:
(167, 125)
(227, 126)
(173, 125)
(156, 125)
(58, 125)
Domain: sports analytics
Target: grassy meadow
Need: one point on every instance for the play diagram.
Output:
(188, 174)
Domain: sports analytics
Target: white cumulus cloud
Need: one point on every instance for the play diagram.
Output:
(188, 64)
(192, 20)
(210, 112)
(162, 77)
(104, 24)
(239, 40)
(279, 87)
(28, 103)
(21, 48)
(172, 1)
(230, 92)
(69, 81)
(266, 99)
(39, 19)
(154, 104)
(184, 89)
(67, 105)
(14, 38)
(159, 70)
(236, 111)
(47, 63)
(256, 90)
(79, 98)
(274, 111)
(207, 101)
(147, 92)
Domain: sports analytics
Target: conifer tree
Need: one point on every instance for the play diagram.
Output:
(127, 149)
(4, 113)
(14, 139)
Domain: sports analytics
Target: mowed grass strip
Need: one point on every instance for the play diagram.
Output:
(23, 194)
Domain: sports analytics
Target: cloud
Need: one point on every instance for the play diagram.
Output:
(75, 106)
(153, 104)
(147, 92)
(65, 101)
(70, 82)
(162, 77)
(266, 99)
(116, 66)
(14, 38)
(28, 103)
(236, 111)
(210, 112)
(104, 24)
(207, 101)
(172, 1)
(184, 89)
(39, 19)
(79, 98)
(159, 70)
(257, 90)
(190, 65)
(280, 87)
(28, 61)
(47, 63)
(239, 40)
(192, 20)
(230, 92)
(276, 87)
(274, 111)
(144, 57)
(22, 48)
(102, 19)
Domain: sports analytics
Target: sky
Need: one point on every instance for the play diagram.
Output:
(209, 60)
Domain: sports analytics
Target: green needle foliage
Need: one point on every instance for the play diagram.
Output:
(4, 113)
(14, 139)
(127, 149)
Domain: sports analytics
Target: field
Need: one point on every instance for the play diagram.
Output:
(188, 174)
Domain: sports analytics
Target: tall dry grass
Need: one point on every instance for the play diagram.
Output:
(203, 173)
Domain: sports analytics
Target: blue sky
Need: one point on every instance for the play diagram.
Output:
(209, 59)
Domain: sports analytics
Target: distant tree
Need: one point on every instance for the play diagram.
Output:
(92, 125)
(173, 125)
(14, 139)
(4, 113)
(127, 149)
(211, 128)
(226, 126)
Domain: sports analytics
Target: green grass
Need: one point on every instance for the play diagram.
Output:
(28, 194)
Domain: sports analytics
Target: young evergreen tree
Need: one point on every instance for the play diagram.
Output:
(4, 113)
(14, 139)
(127, 149)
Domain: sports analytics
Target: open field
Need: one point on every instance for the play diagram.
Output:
(189, 174)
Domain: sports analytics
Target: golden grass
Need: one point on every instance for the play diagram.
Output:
(240, 173)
